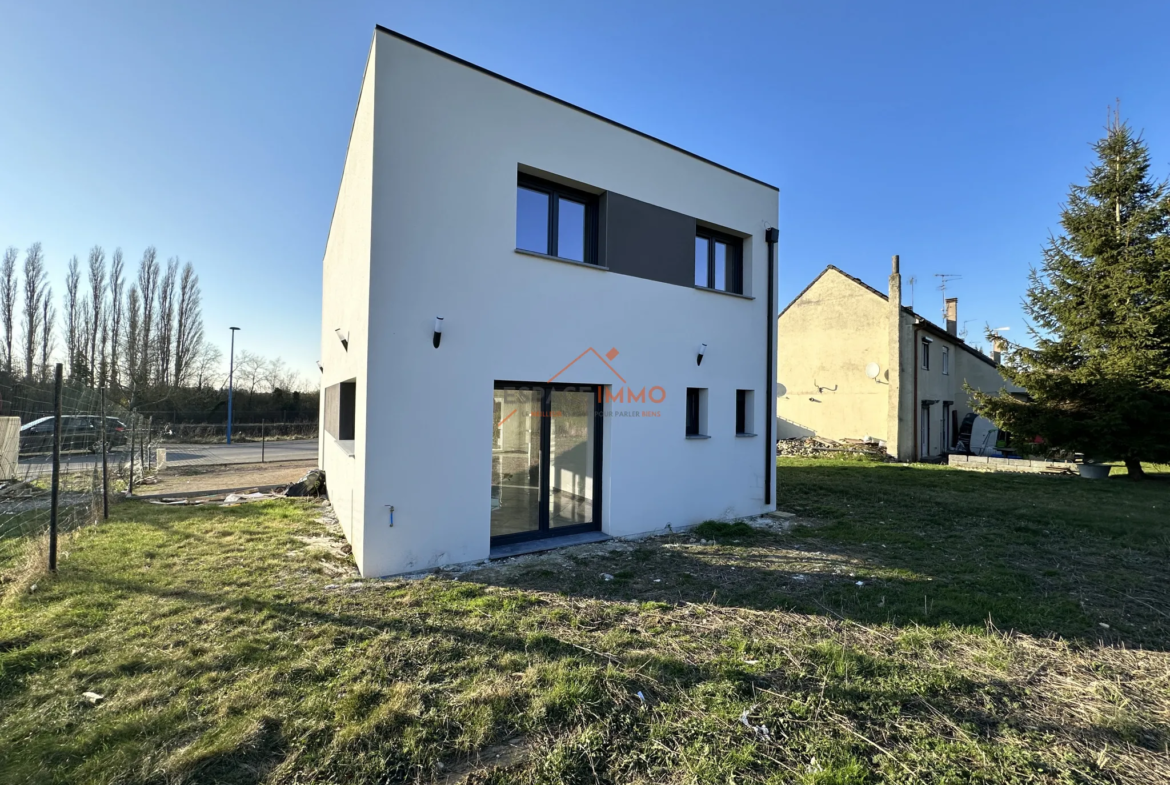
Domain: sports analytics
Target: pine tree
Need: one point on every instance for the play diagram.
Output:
(1098, 380)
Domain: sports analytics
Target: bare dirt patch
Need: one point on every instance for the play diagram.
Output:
(218, 478)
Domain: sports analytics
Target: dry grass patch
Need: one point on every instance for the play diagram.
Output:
(236, 645)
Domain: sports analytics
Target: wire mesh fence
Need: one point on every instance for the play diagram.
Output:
(66, 451)
(242, 433)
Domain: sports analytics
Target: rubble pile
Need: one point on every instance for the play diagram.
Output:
(822, 447)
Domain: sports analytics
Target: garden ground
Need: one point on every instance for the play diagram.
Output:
(909, 624)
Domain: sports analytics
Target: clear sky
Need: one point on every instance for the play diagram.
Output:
(945, 132)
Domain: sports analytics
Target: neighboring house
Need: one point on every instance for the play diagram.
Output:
(836, 376)
(515, 300)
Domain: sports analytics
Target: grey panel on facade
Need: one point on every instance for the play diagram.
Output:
(646, 241)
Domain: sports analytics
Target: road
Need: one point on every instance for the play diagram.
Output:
(184, 455)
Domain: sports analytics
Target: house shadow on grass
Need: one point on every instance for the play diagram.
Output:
(289, 639)
(890, 544)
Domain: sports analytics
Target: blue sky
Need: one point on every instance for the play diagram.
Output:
(945, 132)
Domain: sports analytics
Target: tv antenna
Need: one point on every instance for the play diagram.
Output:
(912, 281)
(943, 280)
(963, 332)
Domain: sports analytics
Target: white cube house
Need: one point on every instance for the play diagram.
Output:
(536, 323)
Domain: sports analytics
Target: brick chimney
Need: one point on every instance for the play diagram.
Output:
(953, 315)
(998, 345)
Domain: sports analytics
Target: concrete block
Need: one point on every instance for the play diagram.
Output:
(9, 447)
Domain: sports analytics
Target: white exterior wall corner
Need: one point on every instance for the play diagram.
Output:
(345, 295)
(448, 141)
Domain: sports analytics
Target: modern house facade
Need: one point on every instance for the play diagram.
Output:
(599, 297)
(856, 363)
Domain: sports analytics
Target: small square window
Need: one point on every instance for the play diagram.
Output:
(555, 220)
(744, 413)
(946, 360)
(718, 261)
(340, 410)
(696, 412)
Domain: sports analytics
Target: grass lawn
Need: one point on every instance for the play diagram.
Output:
(908, 625)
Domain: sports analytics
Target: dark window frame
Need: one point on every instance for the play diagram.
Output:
(735, 253)
(925, 354)
(544, 529)
(555, 191)
(694, 415)
(741, 412)
(341, 410)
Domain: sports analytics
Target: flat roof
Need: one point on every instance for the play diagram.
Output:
(562, 102)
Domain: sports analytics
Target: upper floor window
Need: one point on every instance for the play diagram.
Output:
(946, 360)
(718, 261)
(556, 220)
(926, 342)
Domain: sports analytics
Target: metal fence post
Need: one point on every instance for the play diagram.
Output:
(130, 489)
(262, 441)
(105, 463)
(55, 488)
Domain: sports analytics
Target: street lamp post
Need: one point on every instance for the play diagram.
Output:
(231, 373)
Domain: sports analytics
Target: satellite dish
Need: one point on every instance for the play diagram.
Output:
(872, 370)
(781, 390)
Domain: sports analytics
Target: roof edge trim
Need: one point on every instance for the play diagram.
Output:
(562, 102)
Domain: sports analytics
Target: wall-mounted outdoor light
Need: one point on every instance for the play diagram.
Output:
(343, 338)
(438, 331)
(702, 351)
(320, 367)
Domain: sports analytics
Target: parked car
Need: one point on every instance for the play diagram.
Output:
(78, 432)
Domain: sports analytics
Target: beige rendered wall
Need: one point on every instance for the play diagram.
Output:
(965, 369)
(825, 340)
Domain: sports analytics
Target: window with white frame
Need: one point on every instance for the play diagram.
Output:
(946, 360)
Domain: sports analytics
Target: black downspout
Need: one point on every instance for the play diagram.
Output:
(772, 235)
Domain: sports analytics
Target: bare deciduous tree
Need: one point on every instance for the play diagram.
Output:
(189, 324)
(34, 286)
(97, 288)
(48, 319)
(8, 292)
(147, 291)
(207, 366)
(249, 371)
(133, 345)
(166, 320)
(72, 315)
(103, 373)
(117, 283)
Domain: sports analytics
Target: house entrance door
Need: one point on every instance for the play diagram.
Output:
(924, 433)
(546, 460)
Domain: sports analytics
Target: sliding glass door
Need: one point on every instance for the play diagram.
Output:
(546, 460)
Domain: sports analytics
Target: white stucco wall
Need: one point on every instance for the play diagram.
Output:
(345, 292)
(448, 141)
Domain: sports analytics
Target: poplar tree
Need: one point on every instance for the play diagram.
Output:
(1098, 379)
